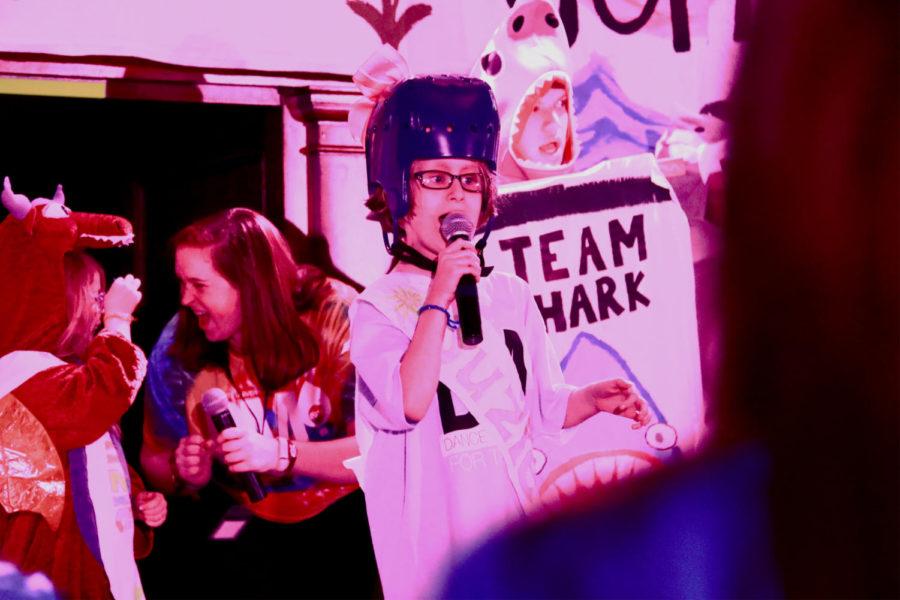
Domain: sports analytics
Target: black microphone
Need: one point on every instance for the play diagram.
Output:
(215, 403)
(453, 227)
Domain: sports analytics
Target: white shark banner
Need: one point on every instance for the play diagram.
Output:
(608, 257)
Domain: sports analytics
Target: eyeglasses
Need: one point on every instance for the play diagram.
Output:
(442, 180)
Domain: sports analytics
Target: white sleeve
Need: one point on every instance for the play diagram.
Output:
(376, 348)
(553, 392)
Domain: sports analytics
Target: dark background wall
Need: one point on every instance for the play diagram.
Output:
(161, 165)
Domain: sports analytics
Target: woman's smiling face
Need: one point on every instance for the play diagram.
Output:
(205, 292)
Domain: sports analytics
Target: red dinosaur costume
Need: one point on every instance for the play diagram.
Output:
(65, 506)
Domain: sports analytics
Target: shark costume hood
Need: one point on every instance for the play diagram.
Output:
(527, 55)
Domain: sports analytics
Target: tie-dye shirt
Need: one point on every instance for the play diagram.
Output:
(317, 406)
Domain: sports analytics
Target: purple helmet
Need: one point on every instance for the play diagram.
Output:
(428, 117)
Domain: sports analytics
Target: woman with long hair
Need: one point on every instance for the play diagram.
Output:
(249, 313)
(270, 336)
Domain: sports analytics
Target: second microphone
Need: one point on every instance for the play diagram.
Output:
(215, 403)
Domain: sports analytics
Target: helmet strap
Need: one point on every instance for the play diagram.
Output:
(407, 254)
(480, 244)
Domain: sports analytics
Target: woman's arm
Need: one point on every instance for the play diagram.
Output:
(121, 300)
(248, 451)
(325, 460)
(166, 390)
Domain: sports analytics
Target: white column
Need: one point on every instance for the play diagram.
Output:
(335, 178)
(296, 204)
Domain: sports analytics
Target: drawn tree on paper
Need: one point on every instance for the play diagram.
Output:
(385, 23)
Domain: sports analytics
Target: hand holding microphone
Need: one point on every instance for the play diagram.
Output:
(453, 262)
(247, 451)
(242, 453)
(459, 264)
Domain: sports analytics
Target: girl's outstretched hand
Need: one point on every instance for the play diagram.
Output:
(619, 397)
(615, 396)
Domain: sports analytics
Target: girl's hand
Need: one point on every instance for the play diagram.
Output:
(151, 508)
(123, 297)
(193, 460)
(615, 396)
(457, 259)
(619, 397)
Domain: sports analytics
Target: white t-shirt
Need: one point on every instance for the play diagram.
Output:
(435, 487)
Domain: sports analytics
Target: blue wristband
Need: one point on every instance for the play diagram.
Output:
(450, 322)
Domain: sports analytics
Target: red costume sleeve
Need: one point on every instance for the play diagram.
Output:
(78, 403)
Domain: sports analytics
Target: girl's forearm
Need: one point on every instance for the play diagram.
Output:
(421, 365)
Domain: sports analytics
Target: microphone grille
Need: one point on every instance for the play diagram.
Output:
(214, 401)
(455, 224)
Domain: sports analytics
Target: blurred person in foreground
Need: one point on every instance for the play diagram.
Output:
(797, 495)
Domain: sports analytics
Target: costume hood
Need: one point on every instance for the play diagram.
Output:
(33, 240)
(527, 55)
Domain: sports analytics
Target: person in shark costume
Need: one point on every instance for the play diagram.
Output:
(526, 65)
(65, 492)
